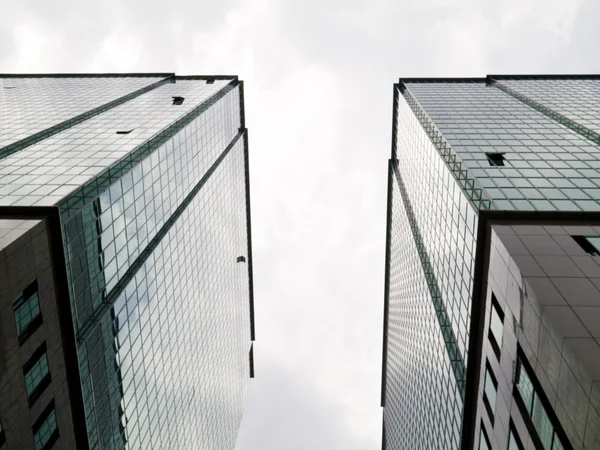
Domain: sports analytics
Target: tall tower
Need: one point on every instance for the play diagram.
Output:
(492, 283)
(126, 299)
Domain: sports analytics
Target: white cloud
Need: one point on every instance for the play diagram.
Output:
(318, 83)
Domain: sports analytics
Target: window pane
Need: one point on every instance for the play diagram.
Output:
(524, 386)
(595, 241)
(542, 423)
(490, 389)
(513, 444)
(45, 432)
(26, 309)
(483, 443)
(496, 326)
(557, 445)
(36, 374)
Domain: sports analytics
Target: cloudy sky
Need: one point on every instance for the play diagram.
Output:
(318, 82)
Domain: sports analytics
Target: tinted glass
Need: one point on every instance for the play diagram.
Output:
(44, 433)
(27, 308)
(36, 374)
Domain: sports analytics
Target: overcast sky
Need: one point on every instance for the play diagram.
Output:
(318, 83)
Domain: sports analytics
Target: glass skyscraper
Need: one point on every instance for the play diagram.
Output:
(126, 294)
(492, 283)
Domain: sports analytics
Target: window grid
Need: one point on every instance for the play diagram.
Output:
(37, 373)
(552, 168)
(27, 309)
(122, 351)
(535, 410)
(46, 431)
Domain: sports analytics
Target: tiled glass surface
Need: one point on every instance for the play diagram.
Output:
(423, 402)
(549, 166)
(27, 308)
(109, 233)
(446, 220)
(36, 374)
(30, 105)
(180, 330)
(45, 173)
(44, 433)
(577, 99)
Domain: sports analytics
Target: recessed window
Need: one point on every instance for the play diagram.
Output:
(2, 439)
(210, 81)
(535, 408)
(496, 326)
(496, 159)
(241, 259)
(490, 388)
(124, 131)
(591, 244)
(9, 87)
(45, 430)
(37, 375)
(514, 442)
(27, 312)
(178, 100)
(484, 440)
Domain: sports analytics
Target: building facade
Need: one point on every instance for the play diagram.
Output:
(126, 292)
(492, 283)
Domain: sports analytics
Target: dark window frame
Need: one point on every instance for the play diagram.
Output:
(496, 159)
(2, 436)
(495, 307)
(526, 411)
(45, 381)
(489, 372)
(19, 302)
(483, 432)
(512, 431)
(586, 245)
(40, 422)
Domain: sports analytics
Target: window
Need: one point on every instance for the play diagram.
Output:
(535, 408)
(591, 244)
(27, 312)
(496, 159)
(124, 131)
(178, 100)
(37, 376)
(514, 442)
(496, 326)
(1, 434)
(484, 441)
(45, 431)
(489, 392)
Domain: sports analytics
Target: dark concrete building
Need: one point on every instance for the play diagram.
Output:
(126, 304)
(492, 284)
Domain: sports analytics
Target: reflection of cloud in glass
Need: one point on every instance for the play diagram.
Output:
(189, 323)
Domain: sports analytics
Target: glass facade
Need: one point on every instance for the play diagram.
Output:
(463, 151)
(154, 224)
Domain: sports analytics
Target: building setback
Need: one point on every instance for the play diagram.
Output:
(126, 298)
(492, 283)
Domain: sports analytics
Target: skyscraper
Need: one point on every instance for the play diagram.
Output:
(492, 283)
(126, 299)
